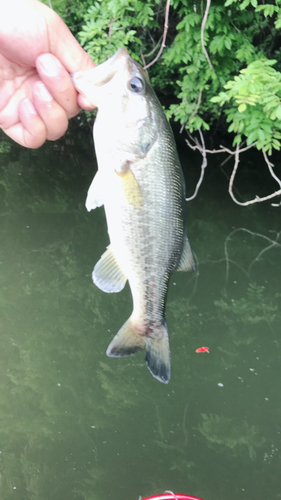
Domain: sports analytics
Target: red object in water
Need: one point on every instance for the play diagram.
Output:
(203, 349)
(170, 496)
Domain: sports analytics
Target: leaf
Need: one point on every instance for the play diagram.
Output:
(229, 2)
(242, 107)
(237, 139)
(252, 138)
(276, 144)
(227, 43)
(245, 4)
(278, 112)
(261, 135)
(278, 22)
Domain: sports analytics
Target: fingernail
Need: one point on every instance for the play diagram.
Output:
(50, 65)
(43, 92)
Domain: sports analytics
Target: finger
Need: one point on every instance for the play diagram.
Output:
(53, 115)
(83, 103)
(30, 130)
(64, 46)
(14, 91)
(58, 82)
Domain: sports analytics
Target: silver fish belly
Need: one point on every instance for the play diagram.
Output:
(140, 183)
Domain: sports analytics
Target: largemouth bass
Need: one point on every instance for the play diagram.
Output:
(140, 183)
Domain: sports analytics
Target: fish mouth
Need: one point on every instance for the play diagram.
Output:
(84, 81)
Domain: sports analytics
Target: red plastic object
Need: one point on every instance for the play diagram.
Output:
(169, 496)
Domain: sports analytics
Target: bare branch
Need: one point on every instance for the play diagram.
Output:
(154, 48)
(202, 150)
(257, 199)
(164, 36)
(257, 258)
(272, 244)
(202, 33)
(222, 150)
(270, 168)
(110, 29)
(231, 153)
(270, 240)
(142, 56)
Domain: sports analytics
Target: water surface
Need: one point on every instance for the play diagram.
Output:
(75, 424)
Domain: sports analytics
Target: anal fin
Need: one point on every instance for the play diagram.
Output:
(186, 261)
(107, 274)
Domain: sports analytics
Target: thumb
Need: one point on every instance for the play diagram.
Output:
(64, 46)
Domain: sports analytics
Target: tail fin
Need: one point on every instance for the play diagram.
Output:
(128, 341)
(157, 355)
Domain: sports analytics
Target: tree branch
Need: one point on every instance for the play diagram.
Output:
(257, 199)
(272, 244)
(202, 33)
(164, 36)
(202, 150)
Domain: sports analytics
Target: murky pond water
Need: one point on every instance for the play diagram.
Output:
(75, 424)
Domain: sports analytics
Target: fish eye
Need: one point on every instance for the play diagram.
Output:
(136, 85)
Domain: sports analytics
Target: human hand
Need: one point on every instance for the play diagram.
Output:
(37, 53)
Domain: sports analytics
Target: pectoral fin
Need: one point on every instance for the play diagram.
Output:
(186, 261)
(95, 191)
(130, 187)
(107, 274)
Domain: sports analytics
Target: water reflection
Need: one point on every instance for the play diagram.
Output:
(76, 424)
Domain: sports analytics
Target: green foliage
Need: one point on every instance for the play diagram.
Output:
(257, 93)
(242, 40)
(268, 10)
(115, 23)
(71, 11)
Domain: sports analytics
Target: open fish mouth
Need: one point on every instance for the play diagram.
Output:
(86, 81)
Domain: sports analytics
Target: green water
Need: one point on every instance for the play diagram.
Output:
(75, 424)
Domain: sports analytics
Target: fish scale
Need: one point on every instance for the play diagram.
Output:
(141, 185)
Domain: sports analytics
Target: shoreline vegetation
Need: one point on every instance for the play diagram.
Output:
(217, 63)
